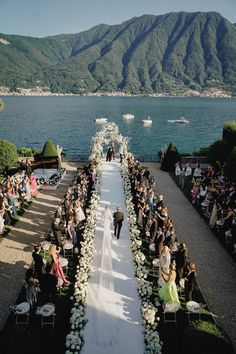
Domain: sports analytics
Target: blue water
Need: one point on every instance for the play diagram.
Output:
(69, 122)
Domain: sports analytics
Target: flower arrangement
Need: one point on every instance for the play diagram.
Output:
(149, 310)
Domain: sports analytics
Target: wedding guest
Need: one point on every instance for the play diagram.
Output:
(57, 228)
(165, 260)
(38, 262)
(159, 240)
(181, 257)
(48, 286)
(190, 282)
(71, 231)
(168, 292)
(182, 178)
(56, 268)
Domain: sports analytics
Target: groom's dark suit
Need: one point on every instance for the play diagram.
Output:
(118, 217)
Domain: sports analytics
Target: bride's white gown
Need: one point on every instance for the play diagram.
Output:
(113, 307)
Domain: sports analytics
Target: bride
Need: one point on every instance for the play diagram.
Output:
(105, 329)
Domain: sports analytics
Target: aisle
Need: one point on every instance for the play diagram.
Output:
(113, 308)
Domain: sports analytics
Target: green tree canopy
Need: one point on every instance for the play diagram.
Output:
(170, 158)
(218, 151)
(229, 133)
(230, 167)
(49, 149)
(8, 155)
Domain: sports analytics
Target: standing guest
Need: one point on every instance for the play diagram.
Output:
(1, 222)
(48, 286)
(182, 178)
(181, 256)
(190, 282)
(38, 262)
(165, 260)
(58, 213)
(56, 268)
(28, 167)
(168, 292)
(159, 240)
(109, 153)
(71, 231)
(57, 228)
(33, 185)
(118, 218)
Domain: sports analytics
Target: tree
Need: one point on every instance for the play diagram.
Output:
(8, 155)
(229, 133)
(218, 151)
(230, 167)
(170, 158)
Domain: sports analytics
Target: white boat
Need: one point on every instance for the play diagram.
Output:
(147, 121)
(181, 120)
(100, 120)
(128, 116)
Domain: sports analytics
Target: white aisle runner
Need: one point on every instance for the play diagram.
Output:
(113, 308)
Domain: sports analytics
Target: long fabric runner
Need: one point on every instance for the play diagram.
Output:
(113, 308)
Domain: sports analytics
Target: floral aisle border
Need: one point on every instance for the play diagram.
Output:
(75, 339)
(148, 309)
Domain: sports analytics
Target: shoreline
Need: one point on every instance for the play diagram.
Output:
(111, 95)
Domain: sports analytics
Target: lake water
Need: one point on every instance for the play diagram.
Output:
(69, 122)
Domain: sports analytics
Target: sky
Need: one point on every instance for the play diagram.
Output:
(41, 18)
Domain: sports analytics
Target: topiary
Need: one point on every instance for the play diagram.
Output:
(218, 151)
(49, 149)
(171, 157)
(8, 155)
(203, 337)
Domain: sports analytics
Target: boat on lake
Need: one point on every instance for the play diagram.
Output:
(181, 120)
(128, 116)
(147, 121)
(100, 120)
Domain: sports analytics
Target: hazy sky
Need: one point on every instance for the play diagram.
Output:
(40, 18)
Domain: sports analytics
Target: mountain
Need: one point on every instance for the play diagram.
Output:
(147, 54)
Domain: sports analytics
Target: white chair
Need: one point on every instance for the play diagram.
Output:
(152, 250)
(193, 312)
(47, 313)
(22, 313)
(228, 236)
(170, 310)
(64, 263)
(68, 248)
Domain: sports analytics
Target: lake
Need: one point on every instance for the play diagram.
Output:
(69, 122)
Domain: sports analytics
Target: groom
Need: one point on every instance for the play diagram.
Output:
(118, 217)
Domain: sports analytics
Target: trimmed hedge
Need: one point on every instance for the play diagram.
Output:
(230, 167)
(49, 149)
(8, 155)
(170, 158)
(203, 337)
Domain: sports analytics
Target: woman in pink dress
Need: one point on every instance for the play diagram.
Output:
(33, 185)
(56, 268)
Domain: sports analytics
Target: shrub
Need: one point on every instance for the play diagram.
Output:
(203, 337)
(170, 158)
(229, 133)
(230, 167)
(27, 152)
(8, 155)
(49, 149)
(218, 151)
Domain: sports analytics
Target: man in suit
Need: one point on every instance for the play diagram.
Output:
(190, 281)
(118, 218)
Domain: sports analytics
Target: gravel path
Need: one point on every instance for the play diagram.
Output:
(216, 271)
(16, 248)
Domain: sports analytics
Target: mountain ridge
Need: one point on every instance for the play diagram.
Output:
(169, 53)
